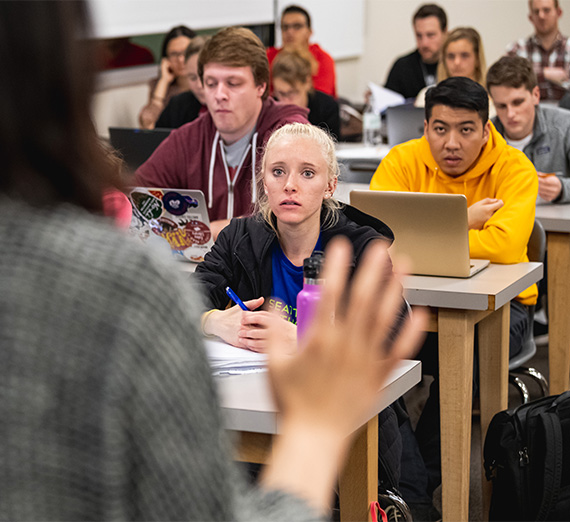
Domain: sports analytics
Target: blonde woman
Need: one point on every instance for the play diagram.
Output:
(261, 257)
(462, 54)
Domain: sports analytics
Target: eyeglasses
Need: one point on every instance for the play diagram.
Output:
(173, 55)
(296, 27)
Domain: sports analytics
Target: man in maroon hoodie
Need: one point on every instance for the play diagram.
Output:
(220, 151)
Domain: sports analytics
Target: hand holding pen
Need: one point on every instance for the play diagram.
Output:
(254, 327)
(234, 297)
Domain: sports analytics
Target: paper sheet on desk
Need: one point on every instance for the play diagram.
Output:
(225, 358)
(383, 98)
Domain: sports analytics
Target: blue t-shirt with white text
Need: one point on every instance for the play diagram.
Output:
(287, 283)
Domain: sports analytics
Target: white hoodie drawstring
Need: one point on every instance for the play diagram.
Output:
(230, 183)
(211, 170)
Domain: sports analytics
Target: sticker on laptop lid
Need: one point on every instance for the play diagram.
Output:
(174, 217)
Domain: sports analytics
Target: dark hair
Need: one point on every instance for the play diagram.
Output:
(431, 10)
(297, 9)
(236, 47)
(459, 93)
(512, 71)
(48, 145)
(175, 32)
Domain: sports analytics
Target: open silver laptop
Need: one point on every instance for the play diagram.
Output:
(404, 123)
(172, 219)
(430, 229)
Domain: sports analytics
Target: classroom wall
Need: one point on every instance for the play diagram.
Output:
(388, 33)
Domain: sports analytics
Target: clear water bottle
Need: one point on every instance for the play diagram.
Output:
(371, 124)
(309, 296)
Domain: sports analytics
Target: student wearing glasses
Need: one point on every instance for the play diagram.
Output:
(296, 32)
(173, 78)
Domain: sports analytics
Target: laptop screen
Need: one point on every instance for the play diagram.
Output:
(136, 145)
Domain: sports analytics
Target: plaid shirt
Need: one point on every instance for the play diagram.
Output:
(558, 56)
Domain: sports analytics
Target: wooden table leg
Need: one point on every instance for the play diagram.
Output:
(253, 447)
(558, 320)
(456, 332)
(358, 485)
(493, 377)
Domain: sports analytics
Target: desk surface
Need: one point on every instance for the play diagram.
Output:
(358, 151)
(488, 290)
(554, 218)
(247, 404)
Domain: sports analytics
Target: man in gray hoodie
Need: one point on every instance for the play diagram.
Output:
(542, 133)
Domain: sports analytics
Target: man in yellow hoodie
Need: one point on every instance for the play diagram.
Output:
(462, 153)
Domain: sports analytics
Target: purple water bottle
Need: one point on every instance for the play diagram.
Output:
(309, 296)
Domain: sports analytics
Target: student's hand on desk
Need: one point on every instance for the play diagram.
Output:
(227, 323)
(328, 388)
(479, 213)
(549, 186)
(256, 329)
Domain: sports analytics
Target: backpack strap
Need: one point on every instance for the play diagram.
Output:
(552, 460)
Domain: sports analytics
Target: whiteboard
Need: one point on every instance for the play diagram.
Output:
(119, 18)
(338, 25)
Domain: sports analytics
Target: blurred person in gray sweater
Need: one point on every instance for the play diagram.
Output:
(108, 408)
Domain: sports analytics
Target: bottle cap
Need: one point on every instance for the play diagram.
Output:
(312, 266)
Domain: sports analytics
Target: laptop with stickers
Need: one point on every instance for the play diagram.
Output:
(430, 229)
(173, 219)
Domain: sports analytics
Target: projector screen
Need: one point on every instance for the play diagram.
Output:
(121, 18)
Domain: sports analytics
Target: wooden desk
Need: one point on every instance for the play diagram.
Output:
(248, 408)
(458, 305)
(556, 221)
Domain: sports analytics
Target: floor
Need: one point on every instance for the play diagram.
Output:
(416, 397)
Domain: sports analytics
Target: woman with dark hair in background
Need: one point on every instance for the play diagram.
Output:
(186, 106)
(107, 404)
(173, 78)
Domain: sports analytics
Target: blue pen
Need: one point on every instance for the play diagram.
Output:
(233, 296)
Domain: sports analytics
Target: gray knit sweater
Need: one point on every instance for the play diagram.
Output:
(107, 407)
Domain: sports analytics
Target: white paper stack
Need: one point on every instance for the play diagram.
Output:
(229, 360)
(383, 98)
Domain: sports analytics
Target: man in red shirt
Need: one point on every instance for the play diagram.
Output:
(296, 32)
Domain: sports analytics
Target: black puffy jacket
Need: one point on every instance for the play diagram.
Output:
(241, 256)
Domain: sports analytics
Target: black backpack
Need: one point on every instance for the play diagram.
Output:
(527, 456)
